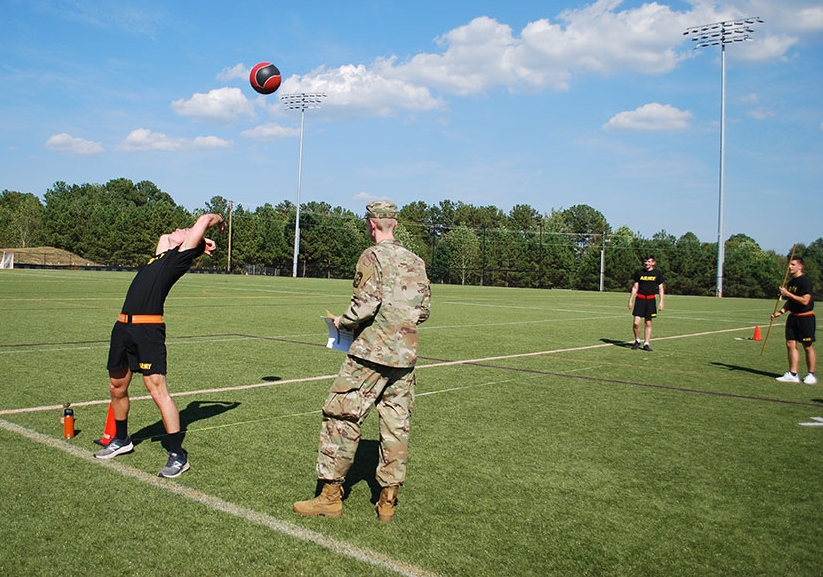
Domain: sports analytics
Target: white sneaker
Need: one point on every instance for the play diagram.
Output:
(810, 379)
(788, 378)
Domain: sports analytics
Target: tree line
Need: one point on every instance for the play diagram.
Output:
(118, 223)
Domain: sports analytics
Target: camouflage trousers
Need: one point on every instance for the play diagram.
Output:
(359, 386)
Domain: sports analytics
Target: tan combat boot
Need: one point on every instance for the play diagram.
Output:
(329, 503)
(385, 505)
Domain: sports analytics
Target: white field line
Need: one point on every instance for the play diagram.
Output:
(605, 309)
(172, 342)
(575, 319)
(329, 377)
(336, 545)
(475, 385)
(179, 394)
(319, 411)
(570, 349)
(514, 323)
(340, 547)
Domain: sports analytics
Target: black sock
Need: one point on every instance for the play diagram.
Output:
(121, 428)
(176, 442)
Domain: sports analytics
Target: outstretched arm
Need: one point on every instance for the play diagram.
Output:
(197, 232)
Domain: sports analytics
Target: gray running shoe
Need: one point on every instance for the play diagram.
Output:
(636, 345)
(647, 347)
(177, 464)
(114, 448)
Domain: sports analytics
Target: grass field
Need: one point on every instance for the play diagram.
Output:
(540, 444)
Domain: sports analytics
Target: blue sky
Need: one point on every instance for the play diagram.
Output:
(549, 104)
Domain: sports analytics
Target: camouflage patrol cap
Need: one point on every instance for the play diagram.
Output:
(381, 209)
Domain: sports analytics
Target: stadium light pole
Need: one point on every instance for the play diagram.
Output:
(720, 34)
(300, 101)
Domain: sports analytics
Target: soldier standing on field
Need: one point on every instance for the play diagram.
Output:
(390, 298)
(642, 301)
(800, 326)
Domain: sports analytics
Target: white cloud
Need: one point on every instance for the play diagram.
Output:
(767, 47)
(237, 71)
(208, 142)
(761, 113)
(366, 197)
(810, 19)
(66, 143)
(485, 54)
(599, 38)
(653, 117)
(271, 132)
(376, 91)
(478, 56)
(770, 40)
(144, 139)
(789, 16)
(223, 104)
(758, 112)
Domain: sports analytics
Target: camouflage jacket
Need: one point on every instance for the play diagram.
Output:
(390, 298)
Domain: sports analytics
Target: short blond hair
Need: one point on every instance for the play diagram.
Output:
(384, 224)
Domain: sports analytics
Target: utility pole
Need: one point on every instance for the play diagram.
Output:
(228, 260)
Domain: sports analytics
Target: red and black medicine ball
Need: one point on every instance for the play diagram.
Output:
(265, 78)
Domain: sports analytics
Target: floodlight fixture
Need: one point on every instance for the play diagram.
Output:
(721, 34)
(301, 101)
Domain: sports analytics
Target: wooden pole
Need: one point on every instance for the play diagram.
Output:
(777, 304)
(228, 258)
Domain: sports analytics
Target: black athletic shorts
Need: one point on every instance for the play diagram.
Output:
(646, 308)
(141, 347)
(800, 329)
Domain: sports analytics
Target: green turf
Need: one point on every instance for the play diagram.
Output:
(590, 459)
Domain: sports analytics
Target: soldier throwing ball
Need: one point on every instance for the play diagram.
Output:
(390, 298)
(138, 339)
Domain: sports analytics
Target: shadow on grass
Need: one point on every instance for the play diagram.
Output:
(747, 370)
(271, 379)
(362, 470)
(617, 343)
(194, 411)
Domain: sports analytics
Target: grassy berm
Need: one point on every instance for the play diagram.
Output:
(48, 255)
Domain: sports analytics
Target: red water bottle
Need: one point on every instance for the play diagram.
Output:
(68, 421)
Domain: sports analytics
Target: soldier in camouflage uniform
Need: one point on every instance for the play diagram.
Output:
(390, 298)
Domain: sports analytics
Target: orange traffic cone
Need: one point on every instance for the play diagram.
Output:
(757, 336)
(110, 430)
